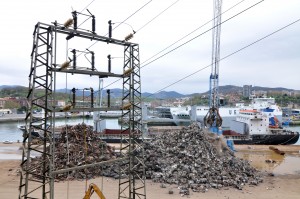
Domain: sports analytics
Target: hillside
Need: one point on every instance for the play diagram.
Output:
(21, 91)
(117, 93)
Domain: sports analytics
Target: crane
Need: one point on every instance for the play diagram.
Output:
(213, 118)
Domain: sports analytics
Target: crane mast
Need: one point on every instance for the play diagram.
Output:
(213, 118)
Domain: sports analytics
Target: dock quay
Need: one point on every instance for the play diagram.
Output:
(155, 130)
(164, 121)
(294, 122)
(167, 122)
(21, 117)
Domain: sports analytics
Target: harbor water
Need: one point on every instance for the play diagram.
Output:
(9, 131)
(287, 164)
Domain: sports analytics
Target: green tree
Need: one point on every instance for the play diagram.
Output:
(11, 105)
(22, 109)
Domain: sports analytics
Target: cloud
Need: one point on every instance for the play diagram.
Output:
(271, 62)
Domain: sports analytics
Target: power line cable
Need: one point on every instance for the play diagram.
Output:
(87, 6)
(131, 15)
(191, 33)
(114, 27)
(82, 11)
(137, 30)
(134, 14)
(203, 33)
(156, 16)
(191, 39)
(120, 23)
(227, 56)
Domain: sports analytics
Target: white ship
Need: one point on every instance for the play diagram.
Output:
(251, 126)
(180, 112)
(227, 113)
(110, 114)
(266, 105)
(250, 121)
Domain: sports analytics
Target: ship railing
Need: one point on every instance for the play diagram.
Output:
(236, 137)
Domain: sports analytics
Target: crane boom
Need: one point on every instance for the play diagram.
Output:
(213, 118)
(93, 188)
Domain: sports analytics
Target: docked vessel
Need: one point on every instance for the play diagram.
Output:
(163, 112)
(110, 114)
(181, 112)
(265, 105)
(269, 107)
(35, 134)
(251, 126)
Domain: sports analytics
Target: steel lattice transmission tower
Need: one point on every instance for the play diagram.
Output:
(213, 118)
(37, 180)
(37, 177)
(132, 171)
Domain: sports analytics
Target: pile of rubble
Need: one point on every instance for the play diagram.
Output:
(192, 158)
(79, 145)
(197, 159)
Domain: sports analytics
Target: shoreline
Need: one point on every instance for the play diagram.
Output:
(21, 117)
(277, 186)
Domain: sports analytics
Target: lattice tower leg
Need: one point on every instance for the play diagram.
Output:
(35, 178)
(132, 171)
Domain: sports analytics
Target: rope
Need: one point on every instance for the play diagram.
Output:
(66, 126)
(295, 135)
(85, 156)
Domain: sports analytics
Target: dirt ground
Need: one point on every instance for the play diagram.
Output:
(278, 186)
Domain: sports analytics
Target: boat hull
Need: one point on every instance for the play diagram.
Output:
(267, 139)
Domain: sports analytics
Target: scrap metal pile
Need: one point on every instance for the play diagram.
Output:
(197, 159)
(191, 158)
(78, 145)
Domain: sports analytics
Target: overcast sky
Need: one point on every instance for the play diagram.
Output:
(271, 62)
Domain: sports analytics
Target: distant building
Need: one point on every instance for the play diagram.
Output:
(296, 93)
(233, 98)
(22, 101)
(260, 93)
(247, 90)
(5, 111)
(2, 103)
(148, 104)
(60, 103)
(180, 101)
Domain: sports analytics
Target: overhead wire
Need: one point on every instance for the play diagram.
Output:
(114, 27)
(68, 152)
(156, 16)
(87, 6)
(84, 21)
(191, 39)
(172, 43)
(248, 8)
(83, 10)
(144, 5)
(131, 15)
(191, 32)
(139, 28)
(135, 31)
(66, 126)
(227, 56)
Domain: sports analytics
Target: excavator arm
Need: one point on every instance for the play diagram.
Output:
(93, 188)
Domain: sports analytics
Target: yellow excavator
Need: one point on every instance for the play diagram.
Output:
(93, 188)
